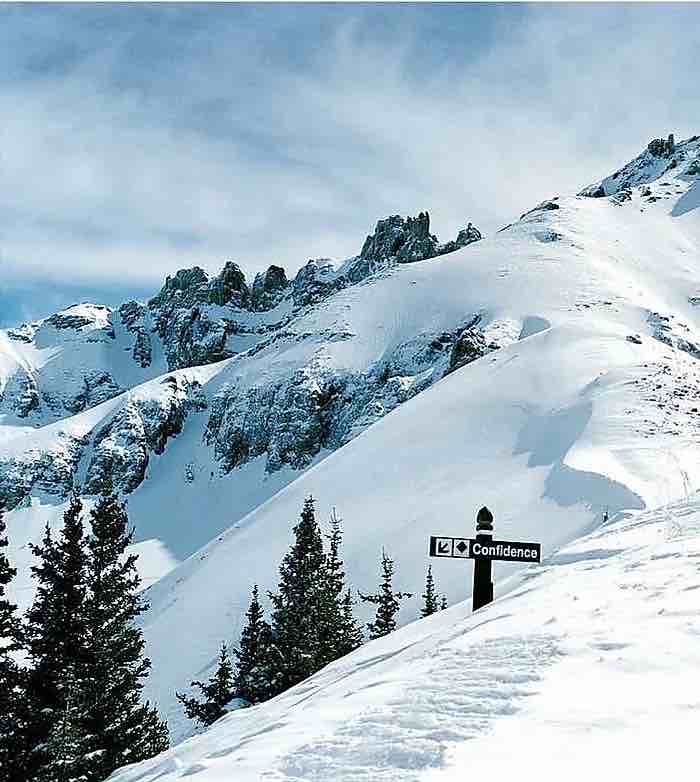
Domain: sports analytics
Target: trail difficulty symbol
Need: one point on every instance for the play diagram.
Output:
(483, 550)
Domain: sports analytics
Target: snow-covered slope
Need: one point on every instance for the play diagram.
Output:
(256, 388)
(592, 405)
(587, 668)
(584, 396)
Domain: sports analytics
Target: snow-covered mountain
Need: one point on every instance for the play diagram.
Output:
(77, 409)
(550, 372)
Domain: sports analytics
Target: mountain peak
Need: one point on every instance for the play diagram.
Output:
(658, 158)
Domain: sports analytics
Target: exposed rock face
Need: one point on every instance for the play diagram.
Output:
(122, 446)
(466, 236)
(21, 394)
(314, 282)
(268, 288)
(293, 420)
(187, 288)
(50, 471)
(399, 240)
(403, 240)
(98, 387)
(469, 345)
(133, 315)
(229, 287)
(660, 148)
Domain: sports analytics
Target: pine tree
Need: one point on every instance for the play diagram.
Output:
(251, 682)
(121, 729)
(65, 746)
(13, 745)
(339, 633)
(386, 600)
(430, 600)
(443, 603)
(217, 692)
(56, 632)
(298, 605)
(352, 632)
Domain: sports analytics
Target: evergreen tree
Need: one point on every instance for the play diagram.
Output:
(13, 747)
(121, 729)
(430, 600)
(352, 632)
(339, 633)
(217, 692)
(386, 600)
(298, 606)
(443, 603)
(56, 632)
(65, 746)
(253, 669)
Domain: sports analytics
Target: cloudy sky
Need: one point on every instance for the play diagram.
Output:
(139, 139)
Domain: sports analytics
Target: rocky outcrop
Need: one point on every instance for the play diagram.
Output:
(268, 289)
(659, 157)
(314, 282)
(466, 236)
(291, 421)
(21, 394)
(98, 387)
(121, 447)
(194, 316)
(399, 240)
(403, 240)
(660, 148)
(50, 471)
(229, 287)
(133, 315)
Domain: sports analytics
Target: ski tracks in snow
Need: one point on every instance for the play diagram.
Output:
(456, 696)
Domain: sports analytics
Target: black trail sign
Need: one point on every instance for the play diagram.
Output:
(483, 550)
(471, 548)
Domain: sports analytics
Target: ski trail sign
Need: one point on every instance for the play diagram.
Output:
(471, 548)
(483, 550)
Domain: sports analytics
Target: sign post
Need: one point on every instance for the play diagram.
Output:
(482, 593)
(483, 550)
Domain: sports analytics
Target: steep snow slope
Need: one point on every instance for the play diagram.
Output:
(587, 668)
(595, 406)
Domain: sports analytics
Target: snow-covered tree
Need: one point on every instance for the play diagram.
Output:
(387, 601)
(121, 729)
(430, 600)
(56, 631)
(13, 745)
(217, 692)
(443, 603)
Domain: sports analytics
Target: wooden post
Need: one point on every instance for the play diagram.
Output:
(482, 592)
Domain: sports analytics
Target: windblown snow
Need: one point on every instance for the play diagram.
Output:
(590, 403)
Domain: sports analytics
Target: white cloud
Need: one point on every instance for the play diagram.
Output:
(233, 152)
